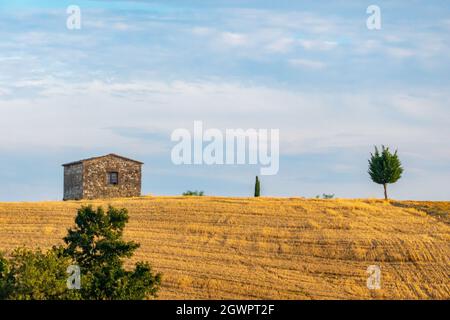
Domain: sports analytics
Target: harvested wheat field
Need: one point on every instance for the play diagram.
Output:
(267, 248)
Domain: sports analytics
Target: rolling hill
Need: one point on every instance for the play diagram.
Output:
(267, 248)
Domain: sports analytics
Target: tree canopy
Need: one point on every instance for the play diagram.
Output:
(385, 167)
(96, 246)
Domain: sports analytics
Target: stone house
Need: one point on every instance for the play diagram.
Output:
(106, 176)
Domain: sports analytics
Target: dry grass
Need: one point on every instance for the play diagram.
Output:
(267, 248)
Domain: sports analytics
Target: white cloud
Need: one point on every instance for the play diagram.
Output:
(121, 26)
(368, 47)
(423, 107)
(295, 20)
(4, 91)
(75, 115)
(10, 58)
(306, 63)
(35, 38)
(282, 45)
(202, 31)
(400, 52)
(234, 39)
(393, 38)
(317, 45)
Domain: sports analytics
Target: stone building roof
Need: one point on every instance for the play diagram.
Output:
(93, 158)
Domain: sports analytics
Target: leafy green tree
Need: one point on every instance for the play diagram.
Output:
(257, 187)
(96, 245)
(4, 275)
(385, 168)
(34, 275)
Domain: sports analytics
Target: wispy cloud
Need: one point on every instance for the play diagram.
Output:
(400, 52)
(318, 44)
(233, 39)
(306, 63)
(282, 45)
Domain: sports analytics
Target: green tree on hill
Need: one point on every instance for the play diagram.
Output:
(96, 245)
(385, 168)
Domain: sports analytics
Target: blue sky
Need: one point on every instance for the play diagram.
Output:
(137, 70)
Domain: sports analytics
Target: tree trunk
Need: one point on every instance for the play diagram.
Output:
(385, 192)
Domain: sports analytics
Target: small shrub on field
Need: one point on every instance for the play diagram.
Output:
(193, 193)
(325, 196)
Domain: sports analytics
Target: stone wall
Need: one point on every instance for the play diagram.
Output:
(73, 182)
(95, 178)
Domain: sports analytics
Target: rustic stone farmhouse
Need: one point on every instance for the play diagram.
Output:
(106, 176)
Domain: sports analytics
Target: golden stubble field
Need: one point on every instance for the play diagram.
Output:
(267, 248)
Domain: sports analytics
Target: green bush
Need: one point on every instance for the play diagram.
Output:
(193, 193)
(325, 196)
(34, 275)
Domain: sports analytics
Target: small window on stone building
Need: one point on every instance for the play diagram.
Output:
(113, 178)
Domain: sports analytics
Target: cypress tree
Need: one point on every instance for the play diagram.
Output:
(257, 187)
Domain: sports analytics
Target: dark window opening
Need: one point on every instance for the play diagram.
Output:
(113, 178)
